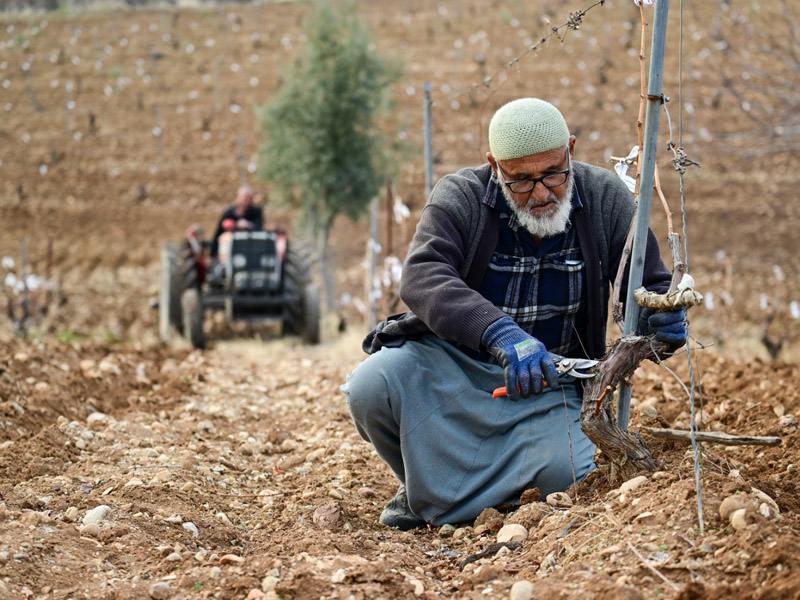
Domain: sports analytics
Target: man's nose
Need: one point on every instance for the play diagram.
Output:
(540, 192)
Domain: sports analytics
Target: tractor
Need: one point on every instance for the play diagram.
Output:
(257, 275)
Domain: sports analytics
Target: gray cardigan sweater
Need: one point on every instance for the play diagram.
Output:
(456, 231)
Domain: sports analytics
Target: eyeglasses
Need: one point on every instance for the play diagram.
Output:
(523, 186)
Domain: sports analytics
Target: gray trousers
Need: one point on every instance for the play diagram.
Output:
(428, 410)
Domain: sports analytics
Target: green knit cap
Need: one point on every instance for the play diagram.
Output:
(524, 127)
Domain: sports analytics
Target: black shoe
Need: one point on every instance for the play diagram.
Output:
(397, 513)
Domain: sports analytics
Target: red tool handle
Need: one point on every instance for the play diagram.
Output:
(502, 391)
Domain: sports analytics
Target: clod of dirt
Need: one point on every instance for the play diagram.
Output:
(530, 496)
(490, 519)
(530, 515)
(735, 503)
(327, 515)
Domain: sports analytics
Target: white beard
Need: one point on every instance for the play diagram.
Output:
(547, 225)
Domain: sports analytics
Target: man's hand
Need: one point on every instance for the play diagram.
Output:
(668, 326)
(523, 357)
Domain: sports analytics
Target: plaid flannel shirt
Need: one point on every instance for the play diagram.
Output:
(541, 287)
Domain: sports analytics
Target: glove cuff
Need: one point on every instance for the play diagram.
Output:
(502, 332)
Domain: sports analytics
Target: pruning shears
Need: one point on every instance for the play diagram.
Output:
(565, 367)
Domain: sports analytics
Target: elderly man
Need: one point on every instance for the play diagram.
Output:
(243, 215)
(511, 261)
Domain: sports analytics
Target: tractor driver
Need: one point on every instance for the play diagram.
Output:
(242, 216)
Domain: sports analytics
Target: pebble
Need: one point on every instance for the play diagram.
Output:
(224, 518)
(338, 576)
(739, 519)
(174, 557)
(176, 519)
(522, 590)
(269, 583)
(447, 530)
(91, 529)
(512, 533)
(648, 411)
(559, 500)
(191, 528)
(97, 514)
(788, 423)
(461, 532)
(632, 484)
(215, 572)
(135, 482)
(227, 559)
(419, 589)
(205, 426)
(366, 492)
(20, 556)
(96, 420)
(160, 590)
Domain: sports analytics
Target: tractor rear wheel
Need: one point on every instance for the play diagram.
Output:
(301, 318)
(178, 272)
(192, 308)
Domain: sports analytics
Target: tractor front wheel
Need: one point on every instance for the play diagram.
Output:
(192, 308)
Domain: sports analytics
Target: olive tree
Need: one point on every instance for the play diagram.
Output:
(322, 147)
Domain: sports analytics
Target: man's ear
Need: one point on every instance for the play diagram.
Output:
(492, 162)
(572, 145)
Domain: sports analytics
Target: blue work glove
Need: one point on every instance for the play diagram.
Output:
(668, 326)
(523, 357)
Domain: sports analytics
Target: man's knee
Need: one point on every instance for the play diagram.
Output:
(367, 388)
(361, 390)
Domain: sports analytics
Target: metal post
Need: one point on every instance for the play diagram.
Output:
(653, 109)
(428, 142)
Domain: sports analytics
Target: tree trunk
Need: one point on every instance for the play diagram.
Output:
(326, 265)
(626, 450)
